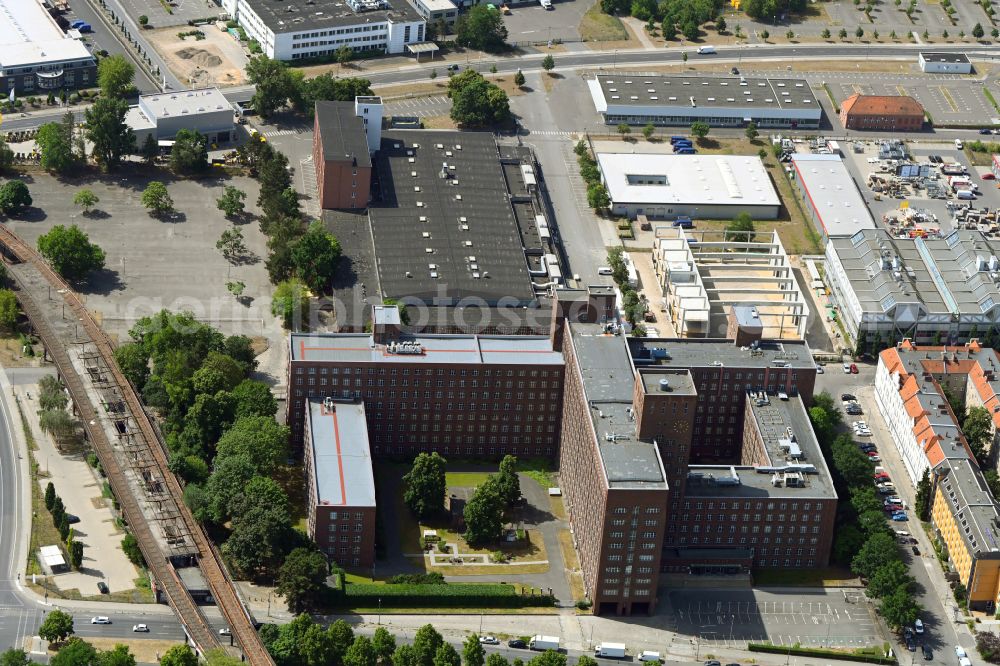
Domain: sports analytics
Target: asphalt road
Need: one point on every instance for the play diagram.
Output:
(107, 38)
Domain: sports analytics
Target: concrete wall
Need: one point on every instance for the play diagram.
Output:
(700, 211)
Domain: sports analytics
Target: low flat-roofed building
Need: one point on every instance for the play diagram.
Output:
(881, 112)
(830, 195)
(317, 28)
(443, 226)
(341, 484)
(637, 99)
(910, 385)
(204, 110)
(435, 11)
(926, 289)
(706, 275)
(36, 56)
(697, 186)
(932, 62)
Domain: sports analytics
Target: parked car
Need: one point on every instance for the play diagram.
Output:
(71, 519)
(985, 131)
(928, 655)
(847, 397)
(819, 369)
(874, 459)
(847, 368)
(102, 587)
(140, 628)
(100, 619)
(712, 662)
(225, 631)
(489, 640)
(916, 551)
(854, 368)
(911, 644)
(517, 643)
(894, 500)
(899, 517)
(453, 68)
(918, 626)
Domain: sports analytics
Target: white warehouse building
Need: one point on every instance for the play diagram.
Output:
(697, 186)
(317, 28)
(637, 99)
(205, 110)
(944, 63)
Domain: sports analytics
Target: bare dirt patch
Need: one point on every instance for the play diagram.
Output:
(201, 63)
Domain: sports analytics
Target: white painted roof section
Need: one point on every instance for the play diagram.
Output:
(833, 193)
(28, 35)
(184, 102)
(597, 93)
(690, 179)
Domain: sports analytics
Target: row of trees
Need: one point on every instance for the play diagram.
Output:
(863, 538)
(278, 86)
(597, 193)
(633, 306)
(56, 509)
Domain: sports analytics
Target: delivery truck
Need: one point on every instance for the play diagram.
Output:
(610, 650)
(543, 643)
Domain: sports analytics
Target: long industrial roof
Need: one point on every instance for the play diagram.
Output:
(958, 274)
(29, 35)
(707, 91)
(713, 352)
(283, 17)
(341, 456)
(444, 229)
(184, 102)
(691, 179)
(425, 349)
(832, 193)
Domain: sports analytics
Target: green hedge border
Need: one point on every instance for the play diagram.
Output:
(451, 595)
(819, 652)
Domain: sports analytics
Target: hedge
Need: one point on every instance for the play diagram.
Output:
(454, 595)
(819, 652)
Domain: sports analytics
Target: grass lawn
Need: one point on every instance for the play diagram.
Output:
(830, 577)
(596, 26)
(466, 479)
(573, 573)
(293, 483)
(43, 532)
(558, 508)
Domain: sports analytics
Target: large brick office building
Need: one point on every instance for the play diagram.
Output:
(881, 112)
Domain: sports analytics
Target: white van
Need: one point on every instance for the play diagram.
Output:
(604, 270)
(965, 194)
(706, 50)
(958, 144)
(647, 655)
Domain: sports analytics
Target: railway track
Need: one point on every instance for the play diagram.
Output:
(223, 589)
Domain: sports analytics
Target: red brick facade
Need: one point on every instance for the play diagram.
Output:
(341, 183)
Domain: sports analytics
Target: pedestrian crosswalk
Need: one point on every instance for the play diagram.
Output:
(550, 133)
(281, 132)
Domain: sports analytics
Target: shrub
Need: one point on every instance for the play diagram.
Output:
(461, 595)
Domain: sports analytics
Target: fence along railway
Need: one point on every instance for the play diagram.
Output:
(130, 449)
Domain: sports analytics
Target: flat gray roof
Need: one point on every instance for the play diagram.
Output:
(608, 383)
(793, 464)
(423, 349)
(678, 381)
(343, 133)
(706, 352)
(341, 457)
(936, 56)
(299, 16)
(443, 239)
(832, 193)
(950, 275)
(708, 91)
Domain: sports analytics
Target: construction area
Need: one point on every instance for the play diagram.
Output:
(706, 277)
(205, 56)
(129, 449)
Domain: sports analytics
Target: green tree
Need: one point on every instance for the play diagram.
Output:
(108, 132)
(134, 362)
(742, 225)
(483, 29)
(519, 78)
(548, 658)
(473, 653)
(260, 439)
(114, 75)
(218, 372)
(691, 30)
(261, 530)
(8, 310)
(700, 129)
(76, 652)
(50, 496)
(496, 659)
(150, 149)
(548, 63)
(751, 131)
(764, 34)
(978, 429)
(720, 25)
(229, 477)
(70, 252)
(361, 653)
(889, 578)
(586, 660)
(860, 32)
(56, 627)
(14, 657)
(120, 655)
(846, 542)
(484, 514)
(597, 197)
(232, 245)
(231, 202)
(669, 29)
(924, 499)
(477, 102)
(648, 130)
(219, 657)
(189, 153)
(273, 84)
(302, 581)
(253, 398)
(425, 485)
(156, 199)
(825, 34)
(624, 129)
(842, 34)
(143, 20)
(14, 196)
(899, 609)
(290, 303)
(179, 655)
(130, 546)
(85, 199)
(404, 655)
(446, 655)
(877, 550)
(76, 554)
(384, 644)
(507, 481)
(426, 642)
(343, 55)
(853, 465)
(51, 393)
(315, 256)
